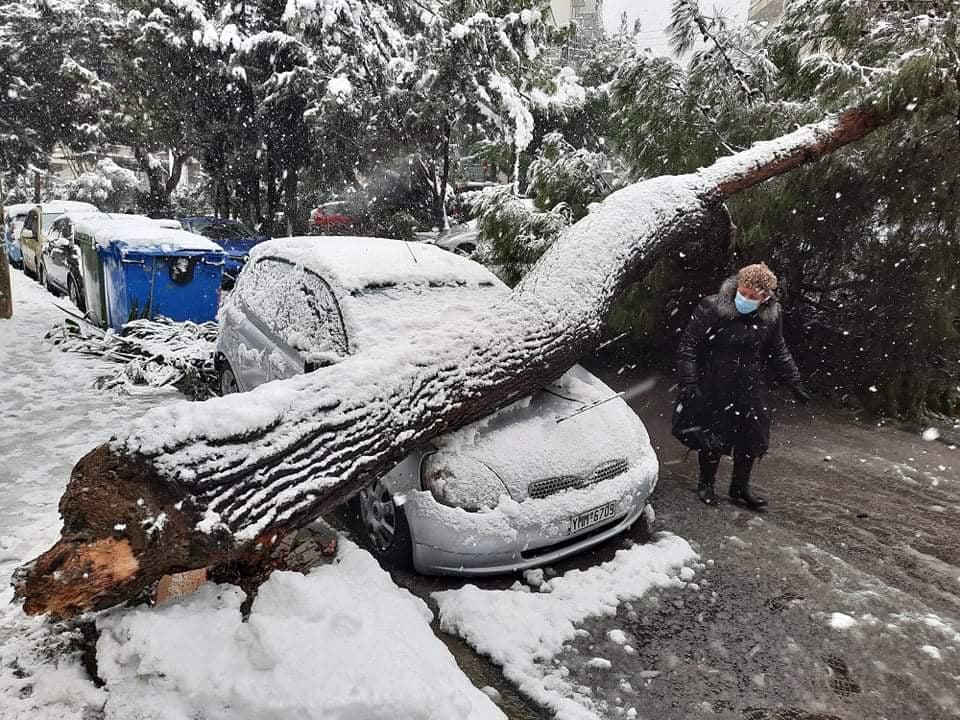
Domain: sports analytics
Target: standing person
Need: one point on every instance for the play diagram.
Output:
(723, 407)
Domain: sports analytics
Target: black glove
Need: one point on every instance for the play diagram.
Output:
(800, 393)
(691, 393)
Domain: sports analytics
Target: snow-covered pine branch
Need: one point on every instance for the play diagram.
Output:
(230, 472)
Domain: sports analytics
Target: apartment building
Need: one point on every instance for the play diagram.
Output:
(765, 11)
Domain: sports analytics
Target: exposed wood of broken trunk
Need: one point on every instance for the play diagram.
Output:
(204, 483)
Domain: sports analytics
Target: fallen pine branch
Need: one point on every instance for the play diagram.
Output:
(148, 353)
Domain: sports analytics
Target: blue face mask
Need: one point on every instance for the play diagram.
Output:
(745, 306)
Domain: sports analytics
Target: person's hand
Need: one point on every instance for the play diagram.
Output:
(691, 393)
(800, 393)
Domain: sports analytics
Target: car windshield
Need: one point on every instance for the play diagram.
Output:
(48, 219)
(220, 230)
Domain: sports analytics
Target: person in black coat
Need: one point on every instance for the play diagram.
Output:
(723, 407)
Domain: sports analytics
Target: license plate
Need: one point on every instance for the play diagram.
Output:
(592, 517)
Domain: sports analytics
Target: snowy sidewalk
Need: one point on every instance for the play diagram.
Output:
(341, 642)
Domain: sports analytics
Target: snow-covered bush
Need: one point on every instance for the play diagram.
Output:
(108, 186)
(192, 199)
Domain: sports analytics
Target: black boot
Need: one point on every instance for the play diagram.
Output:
(708, 474)
(706, 493)
(740, 483)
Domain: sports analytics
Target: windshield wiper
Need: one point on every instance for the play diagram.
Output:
(589, 407)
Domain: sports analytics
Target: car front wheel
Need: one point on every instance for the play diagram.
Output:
(385, 525)
(75, 297)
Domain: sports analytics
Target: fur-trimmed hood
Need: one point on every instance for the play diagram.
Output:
(768, 312)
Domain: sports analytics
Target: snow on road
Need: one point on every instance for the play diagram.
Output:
(342, 642)
(523, 630)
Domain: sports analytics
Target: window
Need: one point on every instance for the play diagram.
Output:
(297, 306)
(61, 230)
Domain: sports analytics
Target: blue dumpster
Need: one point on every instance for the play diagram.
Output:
(151, 270)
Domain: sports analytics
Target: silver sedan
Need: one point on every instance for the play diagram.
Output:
(544, 478)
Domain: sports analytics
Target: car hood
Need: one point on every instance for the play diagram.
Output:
(238, 247)
(524, 443)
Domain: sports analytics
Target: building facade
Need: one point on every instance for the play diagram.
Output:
(765, 11)
(587, 14)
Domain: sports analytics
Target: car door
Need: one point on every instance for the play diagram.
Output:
(247, 340)
(309, 326)
(57, 248)
(29, 240)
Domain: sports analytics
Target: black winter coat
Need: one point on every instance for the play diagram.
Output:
(726, 355)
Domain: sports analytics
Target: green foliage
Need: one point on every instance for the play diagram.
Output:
(865, 242)
(513, 234)
(47, 93)
(565, 174)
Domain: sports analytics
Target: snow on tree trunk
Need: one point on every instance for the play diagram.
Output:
(197, 484)
(6, 289)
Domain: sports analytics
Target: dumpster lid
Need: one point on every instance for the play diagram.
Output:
(140, 233)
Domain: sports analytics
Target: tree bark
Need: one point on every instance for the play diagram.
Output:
(6, 289)
(198, 484)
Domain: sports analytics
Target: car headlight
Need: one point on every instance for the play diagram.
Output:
(460, 481)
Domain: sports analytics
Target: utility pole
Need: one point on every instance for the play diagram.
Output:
(36, 187)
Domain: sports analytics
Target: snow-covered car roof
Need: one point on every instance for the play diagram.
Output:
(17, 209)
(140, 232)
(65, 206)
(355, 263)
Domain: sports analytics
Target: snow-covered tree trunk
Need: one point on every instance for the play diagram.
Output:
(202, 483)
(6, 290)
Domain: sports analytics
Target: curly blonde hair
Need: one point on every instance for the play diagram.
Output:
(757, 277)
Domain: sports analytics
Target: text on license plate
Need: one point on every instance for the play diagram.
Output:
(592, 517)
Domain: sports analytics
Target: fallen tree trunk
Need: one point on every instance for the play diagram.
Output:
(198, 484)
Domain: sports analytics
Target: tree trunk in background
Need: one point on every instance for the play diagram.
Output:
(198, 484)
(291, 207)
(6, 289)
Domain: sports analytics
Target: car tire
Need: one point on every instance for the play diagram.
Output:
(385, 527)
(226, 379)
(73, 290)
(43, 279)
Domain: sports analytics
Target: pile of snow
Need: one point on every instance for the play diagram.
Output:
(341, 642)
(522, 630)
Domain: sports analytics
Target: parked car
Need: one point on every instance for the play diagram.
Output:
(461, 239)
(61, 269)
(13, 221)
(333, 218)
(236, 239)
(542, 479)
(33, 233)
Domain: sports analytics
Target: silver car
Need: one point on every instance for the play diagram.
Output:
(541, 479)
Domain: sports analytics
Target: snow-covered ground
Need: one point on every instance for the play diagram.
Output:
(525, 627)
(342, 642)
